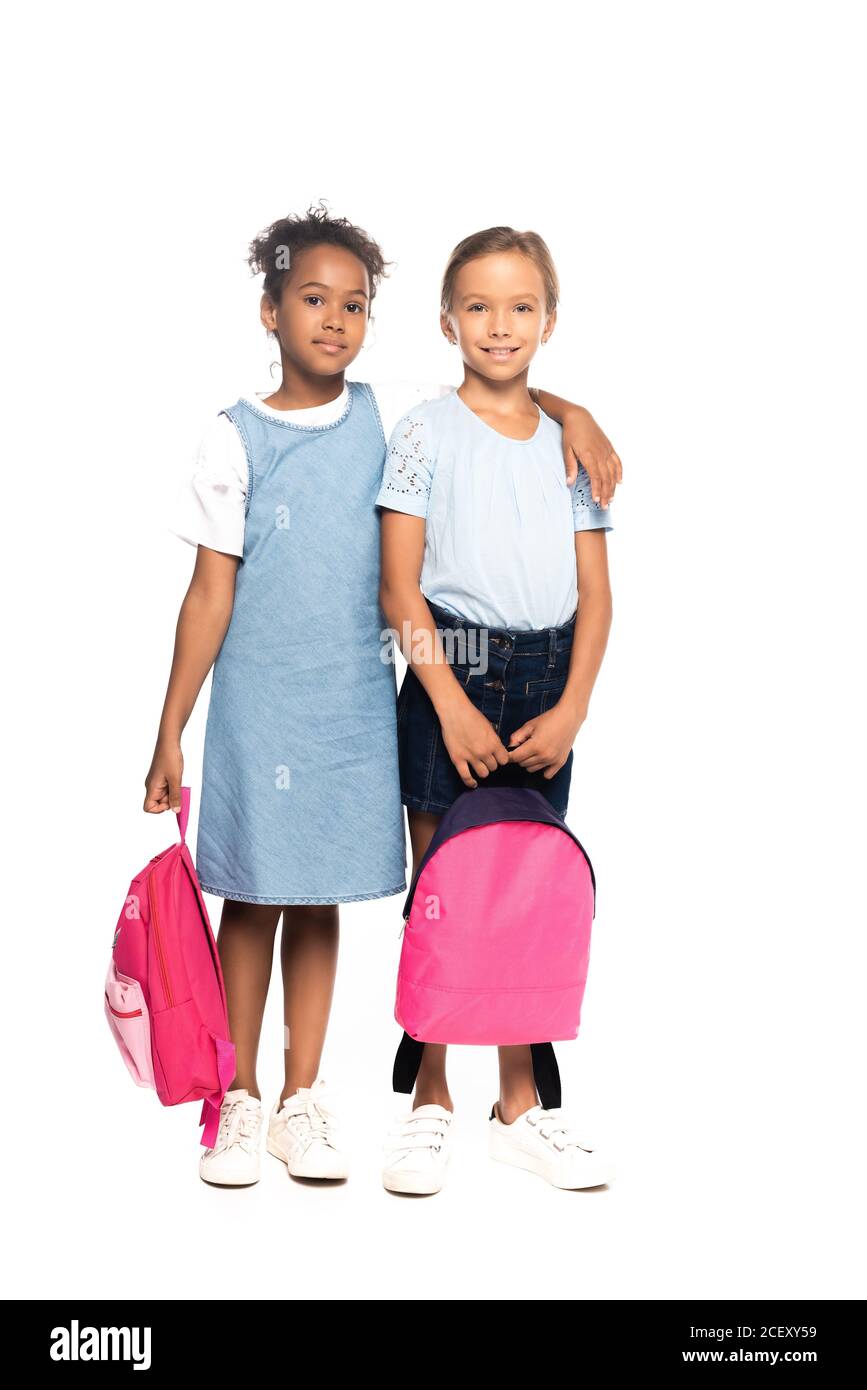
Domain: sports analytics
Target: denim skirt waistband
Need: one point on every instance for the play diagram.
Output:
(521, 640)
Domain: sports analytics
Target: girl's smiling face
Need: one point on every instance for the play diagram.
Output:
(498, 316)
(322, 316)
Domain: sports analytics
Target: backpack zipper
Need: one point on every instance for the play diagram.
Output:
(209, 938)
(155, 922)
(156, 859)
(135, 1013)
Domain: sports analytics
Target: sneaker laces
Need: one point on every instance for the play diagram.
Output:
(239, 1124)
(319, 1119)
(551, 1125)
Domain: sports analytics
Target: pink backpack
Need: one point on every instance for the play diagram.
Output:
(496, 935)
(164, 995)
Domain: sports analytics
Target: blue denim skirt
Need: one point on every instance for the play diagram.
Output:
(526, 674)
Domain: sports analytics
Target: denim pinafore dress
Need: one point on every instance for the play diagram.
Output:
(300, 789)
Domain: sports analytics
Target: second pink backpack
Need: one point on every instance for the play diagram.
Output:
(496, 941)
(164, 996)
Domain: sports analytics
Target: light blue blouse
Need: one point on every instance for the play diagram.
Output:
(499, 517)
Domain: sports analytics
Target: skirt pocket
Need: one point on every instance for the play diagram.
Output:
(129, 1021)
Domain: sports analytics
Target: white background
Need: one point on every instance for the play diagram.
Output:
(698, 171)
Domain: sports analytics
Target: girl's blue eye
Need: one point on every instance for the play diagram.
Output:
(474, 307)
(527, 307)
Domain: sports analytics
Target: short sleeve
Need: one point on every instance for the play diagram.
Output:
(395, 398)
(588, 515)
(211, 504)
(406, 478)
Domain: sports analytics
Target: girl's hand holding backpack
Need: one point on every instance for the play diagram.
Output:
(165, 774)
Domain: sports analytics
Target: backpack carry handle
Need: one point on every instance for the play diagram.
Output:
(183, 814)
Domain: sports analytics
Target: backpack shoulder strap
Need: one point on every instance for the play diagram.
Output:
(546, 1071)
(407, 1061)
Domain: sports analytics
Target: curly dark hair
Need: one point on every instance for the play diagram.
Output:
(272, 251)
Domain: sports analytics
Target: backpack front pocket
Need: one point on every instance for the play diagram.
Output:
(129, 1021)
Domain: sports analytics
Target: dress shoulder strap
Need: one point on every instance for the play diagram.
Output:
(365, 391)
(236, 414)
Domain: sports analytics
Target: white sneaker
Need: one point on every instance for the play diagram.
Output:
(539, 1141)
(418, 1150)
(303, 1133)
(234, 1159)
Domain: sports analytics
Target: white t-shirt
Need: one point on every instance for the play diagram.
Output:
(211, 504)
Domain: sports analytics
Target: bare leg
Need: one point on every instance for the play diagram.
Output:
(431, 1087)
(246, 946)
(517, 1083)
(308, 956)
